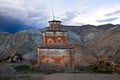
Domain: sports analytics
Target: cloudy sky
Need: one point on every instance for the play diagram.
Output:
(17, 15)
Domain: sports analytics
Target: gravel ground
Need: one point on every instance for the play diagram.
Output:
(68, 76)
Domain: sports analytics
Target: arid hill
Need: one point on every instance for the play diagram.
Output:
(107, 44)
(88, 40)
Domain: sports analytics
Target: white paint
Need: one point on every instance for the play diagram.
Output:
(55, 33)
(53, 52)
(49, 34)
(49, 60)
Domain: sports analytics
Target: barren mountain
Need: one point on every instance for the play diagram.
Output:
(26, 42)
(107, 44)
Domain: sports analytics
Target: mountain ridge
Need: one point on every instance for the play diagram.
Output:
(26, 42)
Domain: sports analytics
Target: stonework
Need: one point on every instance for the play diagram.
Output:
(55, 50)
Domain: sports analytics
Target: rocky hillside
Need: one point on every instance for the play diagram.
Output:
(107, 44)
(21, 42)
(26, 42)
(89, 32)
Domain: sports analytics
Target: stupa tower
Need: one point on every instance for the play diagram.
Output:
(55, 49)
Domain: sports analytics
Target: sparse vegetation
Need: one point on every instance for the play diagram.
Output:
(85, 68)
(93, 69)
(22, 68)
(6, 78)
(97, 70)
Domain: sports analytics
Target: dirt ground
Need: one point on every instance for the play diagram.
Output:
(7, 70)
(68, 76)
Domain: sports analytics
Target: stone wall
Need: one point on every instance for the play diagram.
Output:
(62, 57)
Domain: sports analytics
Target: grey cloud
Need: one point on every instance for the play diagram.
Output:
(113, 13)
(14, 18)
(108, 19)
(11, 25)
(70, 15)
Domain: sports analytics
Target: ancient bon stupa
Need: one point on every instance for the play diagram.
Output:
(55, 50)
